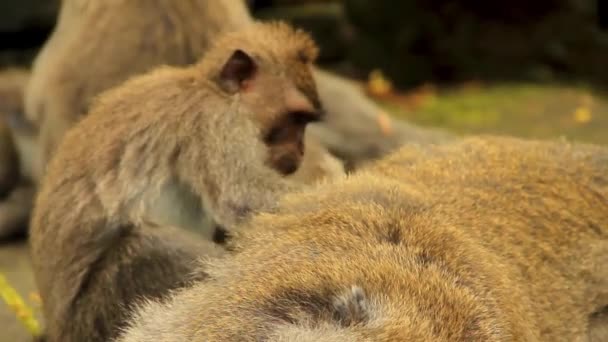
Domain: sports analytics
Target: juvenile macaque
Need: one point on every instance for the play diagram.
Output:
(490, 239)
(207, 134)
(17, 154)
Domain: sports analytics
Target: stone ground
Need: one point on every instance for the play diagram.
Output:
(524, 110)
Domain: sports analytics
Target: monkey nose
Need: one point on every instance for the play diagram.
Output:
(287, 165)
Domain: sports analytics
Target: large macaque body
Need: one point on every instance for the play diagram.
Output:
(490, 239)
(201, 137)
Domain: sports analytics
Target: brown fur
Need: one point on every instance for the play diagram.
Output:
(16, 155)
(317, 164)
(490, 239)
(194, 134)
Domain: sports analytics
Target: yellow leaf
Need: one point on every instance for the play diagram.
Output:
(378, 84)
(35, 298)
(582, 115)
(16, 303)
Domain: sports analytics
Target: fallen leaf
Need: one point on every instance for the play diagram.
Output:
(582, 115)
(21, 310)
(384, 121)
(378, 84)
(35, 298)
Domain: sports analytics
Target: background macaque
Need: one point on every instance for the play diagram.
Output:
(352, 131)
(97, 45)
(207, 133)
(489, 239)
(18, 152)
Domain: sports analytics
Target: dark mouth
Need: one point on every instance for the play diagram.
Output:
(287, 165)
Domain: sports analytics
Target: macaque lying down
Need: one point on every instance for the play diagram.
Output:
(489, 239)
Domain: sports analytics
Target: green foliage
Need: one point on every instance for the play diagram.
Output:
(457, 40)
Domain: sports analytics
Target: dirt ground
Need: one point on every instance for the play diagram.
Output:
(523, 110)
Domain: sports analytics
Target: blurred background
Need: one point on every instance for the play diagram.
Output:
(527, 68)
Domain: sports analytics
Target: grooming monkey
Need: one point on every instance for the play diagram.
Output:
(17, 154)
(93, 48)
(208, 133)
(490, 239)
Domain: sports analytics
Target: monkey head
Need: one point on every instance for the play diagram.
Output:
(269, 70)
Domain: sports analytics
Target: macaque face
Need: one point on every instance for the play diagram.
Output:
(281, 101)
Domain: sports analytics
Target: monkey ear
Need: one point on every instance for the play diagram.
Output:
(239, 68)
